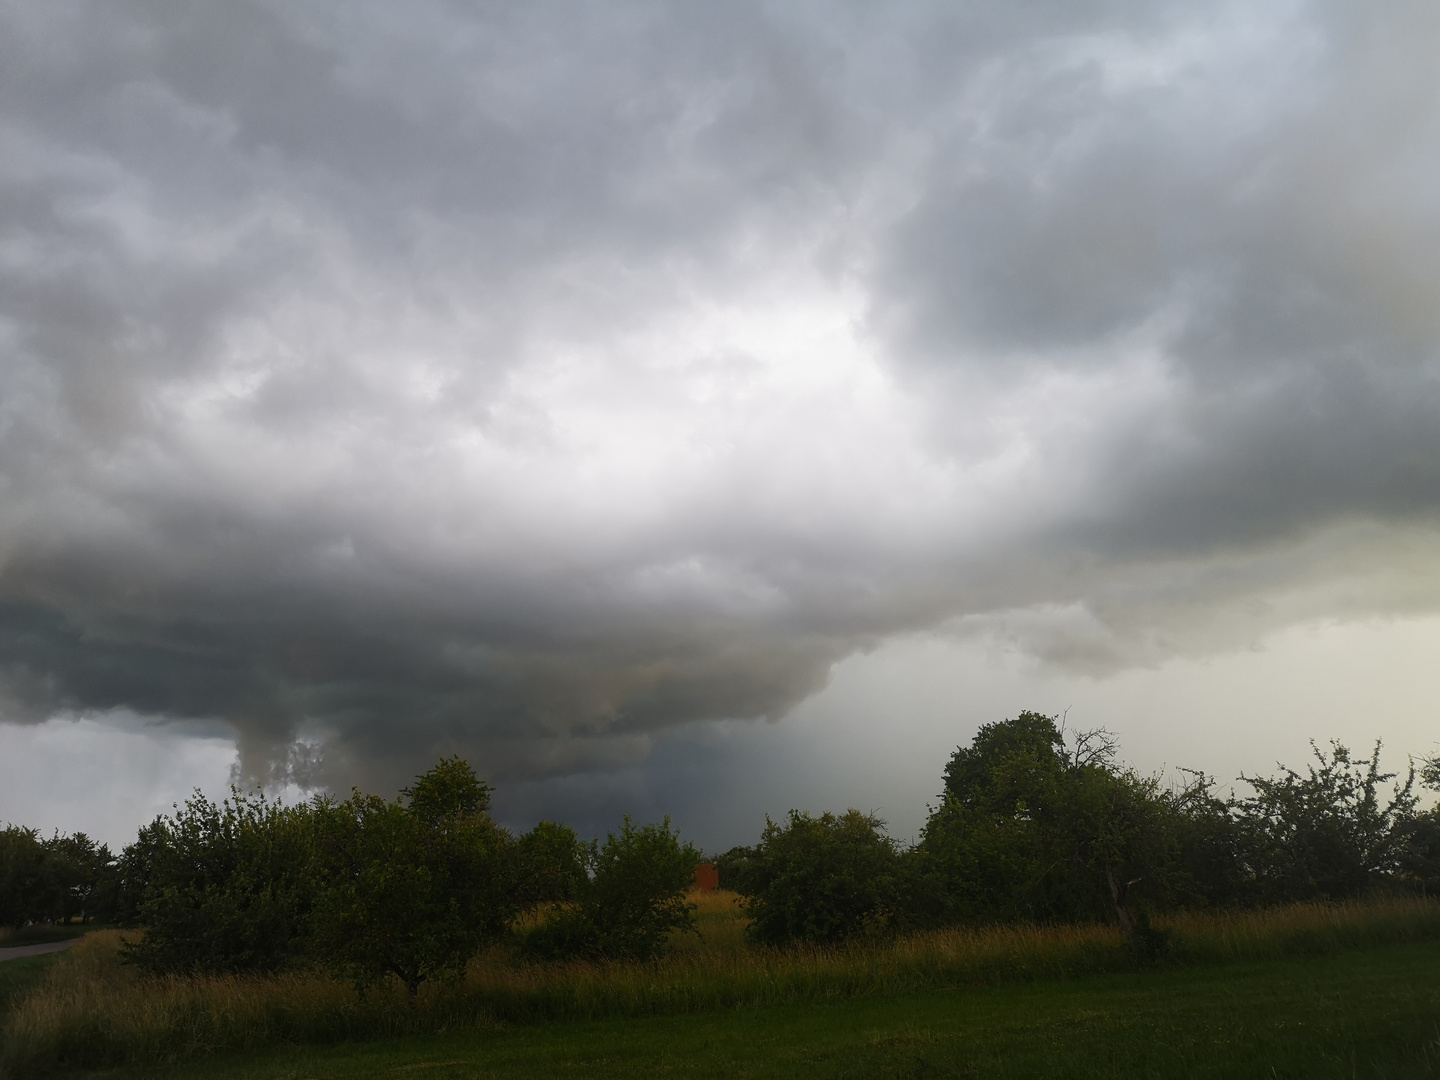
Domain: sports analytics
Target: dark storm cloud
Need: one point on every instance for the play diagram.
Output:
(530, 380)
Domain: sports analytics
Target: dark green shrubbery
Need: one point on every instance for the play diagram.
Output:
(824, 879)
(411, 888)
(628, 900)
(737, 869)
(1329, 833)
(1033, 826)
(227, 887)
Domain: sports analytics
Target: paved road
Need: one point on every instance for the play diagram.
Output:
(18, 951)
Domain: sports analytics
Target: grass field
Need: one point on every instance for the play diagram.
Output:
(1368, 1014)
(1322, 985)
(18, 977)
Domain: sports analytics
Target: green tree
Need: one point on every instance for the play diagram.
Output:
(25, 883)
(1001, 845)
(628, 901)
(1328, 833)
(736, 868)
(79, 869)
(225, 887)
(129, 878)
(823, 879)
(1033, 827)
(415, 887)
(550, 864)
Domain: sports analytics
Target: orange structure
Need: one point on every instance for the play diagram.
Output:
(707, 878)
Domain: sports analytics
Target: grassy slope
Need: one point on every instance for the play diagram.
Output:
(1361, 1014)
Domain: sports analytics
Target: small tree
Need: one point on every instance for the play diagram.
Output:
(736, 869)
(550, 864)
(79, 869)
(224, 887)
(1326, 834)
(628, 901)
(823, 879)
(25, 882)
(634, 896)
(411, 888)
(1033, 826)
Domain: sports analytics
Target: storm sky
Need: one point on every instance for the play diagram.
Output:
(708, 409)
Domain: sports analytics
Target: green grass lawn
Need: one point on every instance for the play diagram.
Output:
(1373, 1013)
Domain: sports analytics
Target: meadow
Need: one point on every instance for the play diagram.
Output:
(946, 1000)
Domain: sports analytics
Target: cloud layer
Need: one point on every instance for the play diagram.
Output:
(531, 380)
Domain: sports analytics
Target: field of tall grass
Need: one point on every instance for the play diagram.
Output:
(92, 1011)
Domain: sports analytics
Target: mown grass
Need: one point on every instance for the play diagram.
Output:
(93, 1012)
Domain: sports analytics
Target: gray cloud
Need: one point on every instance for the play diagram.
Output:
(534, 380)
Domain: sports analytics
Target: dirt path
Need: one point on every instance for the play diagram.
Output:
(17, 951)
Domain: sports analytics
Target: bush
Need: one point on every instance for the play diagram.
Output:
(550, 864)
(627, 903)
(823, 879)
(227, 888)
(736, 869)
(1328, 834)
(412, 888)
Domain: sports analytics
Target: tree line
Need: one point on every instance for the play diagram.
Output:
(1033, 824)
(409, 888)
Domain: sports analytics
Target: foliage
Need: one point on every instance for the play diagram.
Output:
(737, 869)
(65, 877)
(1031, 829)
(25, 887)
(1326, 834)
(1008, 766)
(550, 864)
(628, 901)
(82, 876)
(411, 888)
(226, 887)
(132, 873)
(824, 879)
(1035, 827)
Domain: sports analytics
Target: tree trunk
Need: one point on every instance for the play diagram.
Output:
(1118, 893)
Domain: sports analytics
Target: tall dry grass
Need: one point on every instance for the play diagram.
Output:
(94, 1012)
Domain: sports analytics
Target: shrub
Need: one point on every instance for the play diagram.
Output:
(628, 902)
(823, 879)
(550, 864)
(1328, 834)
(227, 889)
(411, 888)
(736, 868)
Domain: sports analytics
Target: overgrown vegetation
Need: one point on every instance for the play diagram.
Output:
(248, 921)
(625, 901)
(1032, 826)
(95, 1011)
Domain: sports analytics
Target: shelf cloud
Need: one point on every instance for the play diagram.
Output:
(531, 380)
